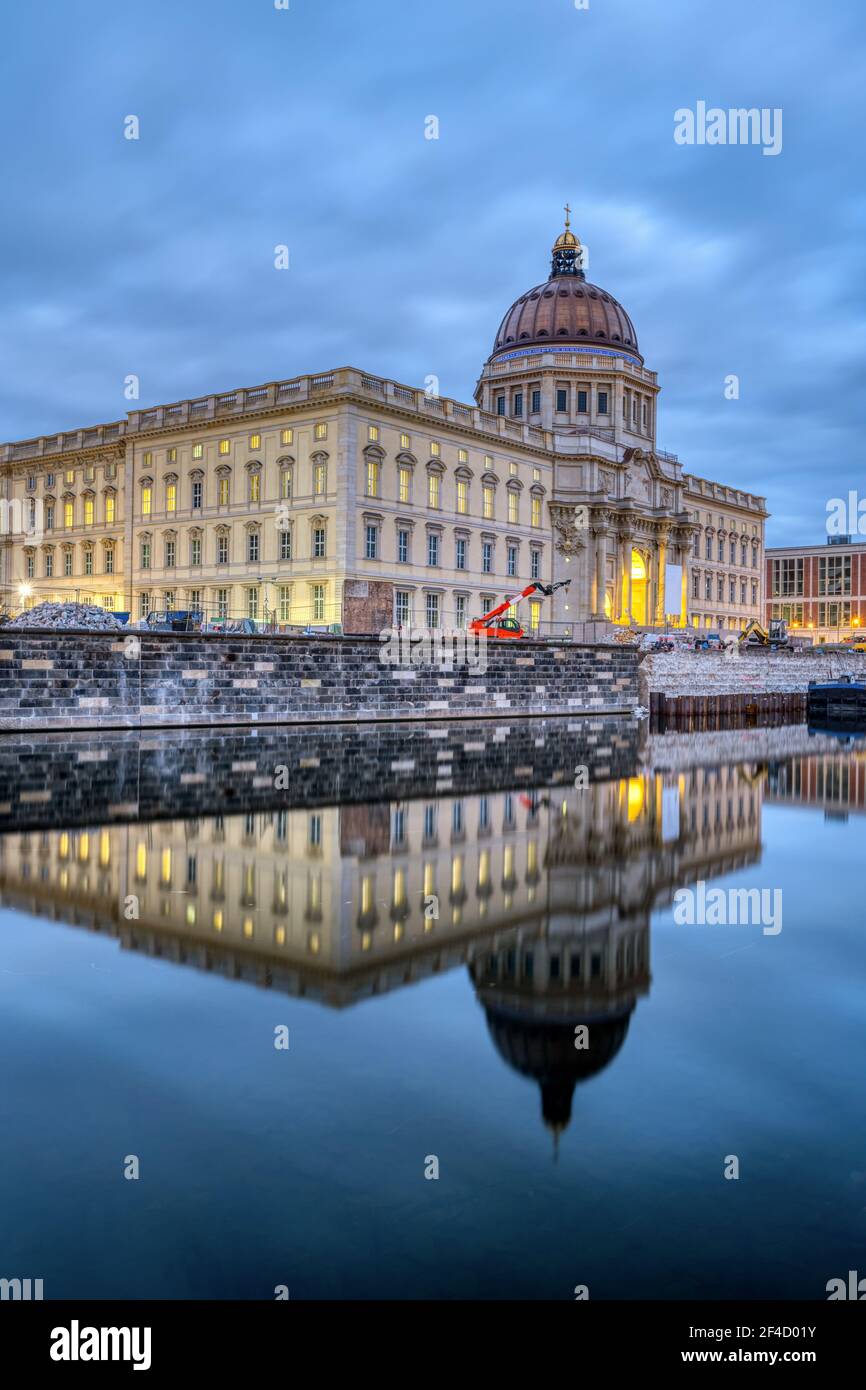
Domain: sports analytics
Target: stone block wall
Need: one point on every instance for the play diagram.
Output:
(86, 680)
(752, 673)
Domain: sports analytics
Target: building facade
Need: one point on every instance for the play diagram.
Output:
(286, 501)
(726, 583)
(819, 589)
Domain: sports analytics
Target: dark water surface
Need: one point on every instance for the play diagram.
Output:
(452, 1036)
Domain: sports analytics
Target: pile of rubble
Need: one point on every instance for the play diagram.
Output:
(67, 615)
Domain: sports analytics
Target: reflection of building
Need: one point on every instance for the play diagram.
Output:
(836, 781)
(294, 497)
(546, 897)
(820, 589)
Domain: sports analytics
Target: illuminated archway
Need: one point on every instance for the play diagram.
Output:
(639, 588)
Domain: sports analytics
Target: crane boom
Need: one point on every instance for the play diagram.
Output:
(546, 590)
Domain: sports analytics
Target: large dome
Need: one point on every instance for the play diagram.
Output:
(566, 311)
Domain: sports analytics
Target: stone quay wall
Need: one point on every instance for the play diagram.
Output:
(53, 680)
(699, 674)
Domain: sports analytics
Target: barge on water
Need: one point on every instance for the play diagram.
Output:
(844, 698)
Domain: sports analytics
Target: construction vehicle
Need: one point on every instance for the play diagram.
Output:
(510, 627)
(774, 637)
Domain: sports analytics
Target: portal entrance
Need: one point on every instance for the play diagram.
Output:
(639, 588)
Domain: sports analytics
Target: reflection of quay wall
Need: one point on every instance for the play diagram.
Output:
(330, 903)
(114, 776)
(676, 751)
(833, 780)
(95, 680)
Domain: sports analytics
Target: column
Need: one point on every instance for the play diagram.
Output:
(626, 579)
(599, 586)
(661, 561)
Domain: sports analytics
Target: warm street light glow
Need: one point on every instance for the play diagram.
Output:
(24, 590)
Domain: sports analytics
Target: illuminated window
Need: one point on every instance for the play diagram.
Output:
(435, 449)
(286, 483)
(513, 507)
(462, 496)
(535, 615)
(512, 468)
(88, 511)
(433, 489)
(248, 928)
(109, 510)
(171, 497)
(285, 602)
(536, 511)
(146, 496)
(320, 478)
(373, 433)
(405, 441)
(287, 437)
(372, 477)
(321, 431)
(171, 456)
(255, 486)
(536, 475)
(487, 495)
(462, 456)
(255, 441)
(225, 446)
(70, 475)
(67, 514)
(198, 451)
(404, 477)
(318, 603)
(141, 861)
(104, 849)
(218, 920)
(165, 867)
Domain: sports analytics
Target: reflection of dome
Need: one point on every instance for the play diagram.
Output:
(543, 1050)
(566, 310)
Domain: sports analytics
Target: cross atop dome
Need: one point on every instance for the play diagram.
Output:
(566, 251)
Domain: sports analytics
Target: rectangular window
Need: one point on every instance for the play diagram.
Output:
(171, 497)
(536, 511)
(512, 561)
(405, 441)
(222, 555)
(435, 448)
(285, 603)
(109, 510)
(319, 543)
(318, 603)
(225, 446)
(602, 402)
(696, 586)
(143, 605)
(432, 549)
(285, 545)
(88, 511)
(404, 476)
(373, 434)
(70, 475)
(534, 615)
(252, 548)
(169, 555)
(321, 431)
(49, 517)
(197, 451)
(432, 610)
(582, 398)
(535, 405)
(487, 557)
(252, 603)
(222, 603)
(742, 592)
(708, 587)
(171, 455)
(67, 564)
(460, 610)
(108, 601)
(49, 565)
(109, 562)
(145, 501)
(433, 482)
(403, 547)
(487, 502)
(372, 478)
(460, 553)
(88, 562)
(517, 409)
(287, 436)
(255, 441)
(788, 578)
(255, 487)
(320, 479)
(30, 567)
(223, 492)
(145, 555)
(402, 609)
(514, 508)
(535, 564)
(561, 401)
(721, 590)
(372, 542)
(462, 496)
(195, 550)
(286, 484)
(196, 495)
(500, 405)
(195, 598)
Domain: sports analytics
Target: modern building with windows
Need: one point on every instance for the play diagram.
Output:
(348, 498)
(820, 589)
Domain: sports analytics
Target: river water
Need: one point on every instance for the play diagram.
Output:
(455, 1046)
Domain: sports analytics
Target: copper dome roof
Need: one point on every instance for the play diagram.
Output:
(566, 310)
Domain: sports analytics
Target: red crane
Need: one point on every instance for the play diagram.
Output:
(510, 627)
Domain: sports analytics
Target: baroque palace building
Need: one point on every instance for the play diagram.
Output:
(348, 498)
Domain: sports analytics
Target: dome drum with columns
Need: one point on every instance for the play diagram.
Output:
(566, 359)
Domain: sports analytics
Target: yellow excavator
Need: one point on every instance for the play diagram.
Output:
(756, 635)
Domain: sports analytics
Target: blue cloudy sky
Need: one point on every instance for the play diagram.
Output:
(306, 127)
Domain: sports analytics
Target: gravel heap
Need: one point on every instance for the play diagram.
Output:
(66, 615)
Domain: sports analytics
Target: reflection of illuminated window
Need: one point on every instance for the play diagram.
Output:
(314, 943)
(141, 861)
(248, 927)
(249, 885)
(366, 893)
(455, 916)
(457, 873)
(218, 920)
(399, 887)
(280, 936)
(398, 931)
(484, 868)
(63, 846)
(84, 848)
(104, 849)
(64, 878)
(366, 941)
(219, 875)
(429, 880)
(190, 914)
(165, 866)
(635, 797)
(508, 862)
(532, 857)
(314, 893)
